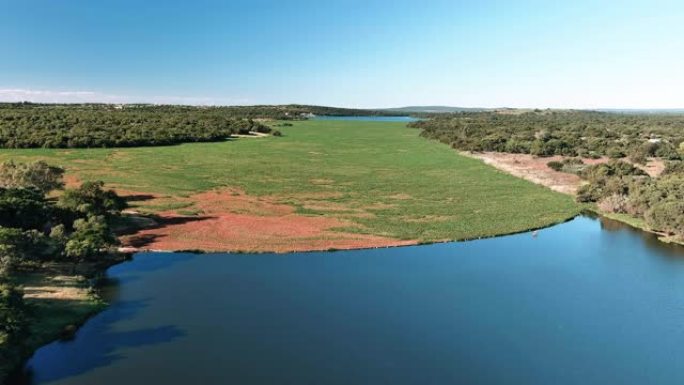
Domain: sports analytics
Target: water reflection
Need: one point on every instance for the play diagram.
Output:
(650, 240)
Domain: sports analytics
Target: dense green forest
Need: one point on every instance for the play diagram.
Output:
(27, 125)
(35, 229)
(569, 133)
(74, 126)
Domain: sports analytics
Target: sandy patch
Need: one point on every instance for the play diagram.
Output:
(58, 288)
(534, 169)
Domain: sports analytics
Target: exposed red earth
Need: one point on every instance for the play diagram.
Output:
(229, 220)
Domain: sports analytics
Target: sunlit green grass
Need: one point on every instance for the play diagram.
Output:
(406, 186)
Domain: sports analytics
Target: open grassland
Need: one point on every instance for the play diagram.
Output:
(376, 180)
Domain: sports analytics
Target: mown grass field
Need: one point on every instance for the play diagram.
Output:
(380, 176)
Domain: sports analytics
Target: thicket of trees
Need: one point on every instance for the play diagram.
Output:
(74, 227)
(77, 126)
(568, 133)
(619, 187)
(28, 125)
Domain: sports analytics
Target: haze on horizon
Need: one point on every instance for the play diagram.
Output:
(370, 54)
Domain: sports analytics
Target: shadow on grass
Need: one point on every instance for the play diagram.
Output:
(138, 197)
(134, 236)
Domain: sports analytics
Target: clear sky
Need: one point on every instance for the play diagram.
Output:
(565, 54)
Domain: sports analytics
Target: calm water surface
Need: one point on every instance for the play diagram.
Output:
(584, 302)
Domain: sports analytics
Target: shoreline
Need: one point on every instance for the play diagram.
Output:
(44, 333)
(99, 305)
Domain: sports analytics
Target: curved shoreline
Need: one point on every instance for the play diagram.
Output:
(77, 323)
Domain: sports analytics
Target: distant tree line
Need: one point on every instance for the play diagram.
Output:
(76, 126)
(568, 133)
(34, 229)
(28, 125)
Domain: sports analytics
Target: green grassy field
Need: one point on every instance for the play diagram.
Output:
(381, 176)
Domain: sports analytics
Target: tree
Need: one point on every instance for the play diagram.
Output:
(91, 238)
(23, 208)
(37, 175)
(13, 323)
(92, 199)
(667, 216)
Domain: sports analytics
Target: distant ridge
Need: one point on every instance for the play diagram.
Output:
(432, 109)
(656, 111)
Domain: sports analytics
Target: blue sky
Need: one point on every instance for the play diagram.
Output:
(574, 54)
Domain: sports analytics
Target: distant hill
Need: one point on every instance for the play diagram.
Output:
(431, 109)
(655, 111)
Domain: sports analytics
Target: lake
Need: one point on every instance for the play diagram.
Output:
(585, 302)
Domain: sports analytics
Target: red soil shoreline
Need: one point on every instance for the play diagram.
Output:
(231, 221)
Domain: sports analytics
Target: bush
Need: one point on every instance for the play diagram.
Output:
(615, 153)
(555, 165)
(37, 175)
(638, 156)
(613, 204)
(666, 216)
(673, 167)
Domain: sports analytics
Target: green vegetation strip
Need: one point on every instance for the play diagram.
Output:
(403, 185)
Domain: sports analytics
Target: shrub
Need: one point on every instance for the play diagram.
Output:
(555, 165)
(615, 153)
(667, 216)
(638, 156)
(673, 167)
(37, 175)
(613, 204)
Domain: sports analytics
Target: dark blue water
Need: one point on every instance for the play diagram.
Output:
(584, 302)
(370, 118)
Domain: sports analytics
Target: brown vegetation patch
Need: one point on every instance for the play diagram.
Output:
(322, 181)
(324, 206)
(71, 180)
(234, 221)
(427, 219)
(380, 206)
(401, 197)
